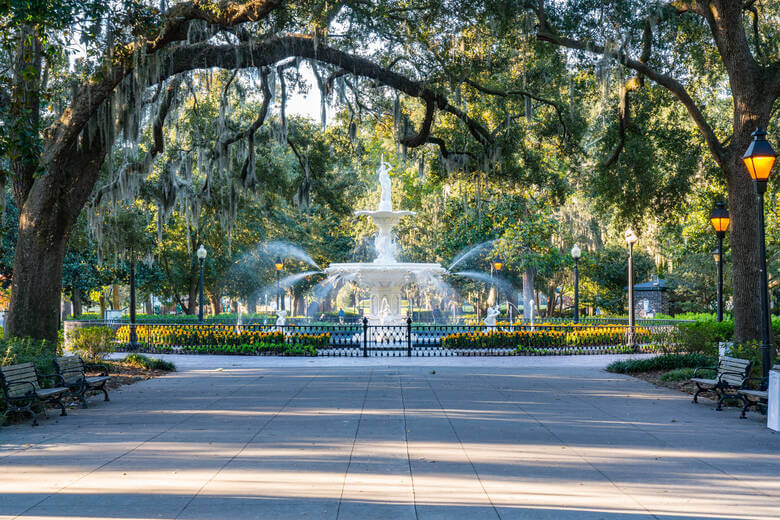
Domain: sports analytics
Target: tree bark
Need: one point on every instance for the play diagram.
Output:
(216, 301)
(76, 301)
(46, 220)
(251, 304)
(148, 309)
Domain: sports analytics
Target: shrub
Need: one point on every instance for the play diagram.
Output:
(663, 362)
(141, 361)
(678, 374)
(24, 350)
(93, 343)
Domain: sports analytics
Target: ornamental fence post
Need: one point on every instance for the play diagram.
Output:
(409, 336)
(365, 336)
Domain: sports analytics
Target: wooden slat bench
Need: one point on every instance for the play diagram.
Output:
(23, 389)
(73, 371)
(730, 375)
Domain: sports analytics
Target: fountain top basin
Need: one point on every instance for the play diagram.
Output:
(376, 270)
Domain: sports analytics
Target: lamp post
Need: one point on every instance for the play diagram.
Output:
(201, 253)
(576, 252)
(759, 159)
(631, 239)
(279, 265)
(133, 343)
(498, 263)
(719, 218)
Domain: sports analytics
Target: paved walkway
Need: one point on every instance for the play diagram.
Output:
(508, 438)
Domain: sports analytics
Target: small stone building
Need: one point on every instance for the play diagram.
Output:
(650, 298)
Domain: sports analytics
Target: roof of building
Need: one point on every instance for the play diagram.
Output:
(658, 284)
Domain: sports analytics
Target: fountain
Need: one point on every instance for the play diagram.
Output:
(384, 277)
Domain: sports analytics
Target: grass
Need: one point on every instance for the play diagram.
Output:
(678, 374)
(141, 361)
(658, 363)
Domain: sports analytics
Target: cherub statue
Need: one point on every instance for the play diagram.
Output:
(492, 314)
(385, 312)
(281, 317)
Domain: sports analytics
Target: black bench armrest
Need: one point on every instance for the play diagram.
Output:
(54, 377)
(17, 383)
(762, 385)
(103, 369)
(696, 370)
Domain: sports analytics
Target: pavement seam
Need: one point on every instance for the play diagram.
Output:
(665, 443)
(576, 451)
(247, 443)
(354, 442)
(131, 450)
(463, 448)
(406, 442)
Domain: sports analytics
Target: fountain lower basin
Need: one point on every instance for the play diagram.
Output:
(383, 283)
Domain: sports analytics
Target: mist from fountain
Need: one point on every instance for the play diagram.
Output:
(279, 248)
(502, 283)
(470, 252)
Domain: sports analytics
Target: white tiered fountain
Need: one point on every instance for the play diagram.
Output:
(384, 277)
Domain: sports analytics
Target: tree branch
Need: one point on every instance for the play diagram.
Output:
(668, 82)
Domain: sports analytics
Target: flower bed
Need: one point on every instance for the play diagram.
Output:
(212, 336)
(546, 336)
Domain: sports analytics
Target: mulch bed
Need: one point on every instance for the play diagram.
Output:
(123, 374)
(654, 377)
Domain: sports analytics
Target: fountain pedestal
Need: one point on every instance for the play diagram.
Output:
(385, 276)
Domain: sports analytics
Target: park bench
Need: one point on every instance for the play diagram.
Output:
(22, 389)
(753, 398)
(730, 375)
(74, 373)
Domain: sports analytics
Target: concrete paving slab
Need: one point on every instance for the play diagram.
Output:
(421, 438)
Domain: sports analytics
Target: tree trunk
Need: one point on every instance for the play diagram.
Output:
(251, 304)
(76, 301)
(46, 220)
(528, 293)
(115, 296)
(148, 309)
(216, 304)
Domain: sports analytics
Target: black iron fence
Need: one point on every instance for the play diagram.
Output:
(409, 339)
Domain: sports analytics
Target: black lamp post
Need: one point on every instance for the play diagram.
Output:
(720, 222)
(576, 252)
(279, 265)
(201, 253)
(498, 263)
(631, 239)
(133, 343)
(759, 159)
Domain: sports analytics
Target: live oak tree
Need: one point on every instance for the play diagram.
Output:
(703, 52)
(59, 133)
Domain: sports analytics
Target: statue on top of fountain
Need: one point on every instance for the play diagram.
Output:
(386, 202)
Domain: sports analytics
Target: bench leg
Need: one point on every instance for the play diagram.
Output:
(58, 402)
(699, 390)
(20, 409)
(105, 392)
(748, 404)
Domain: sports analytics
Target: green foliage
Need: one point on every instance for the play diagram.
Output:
(254, 349)
(141, 361)
(678, 374)
(93, 343)
(662, 362)
(23, 350)
(607, 270)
